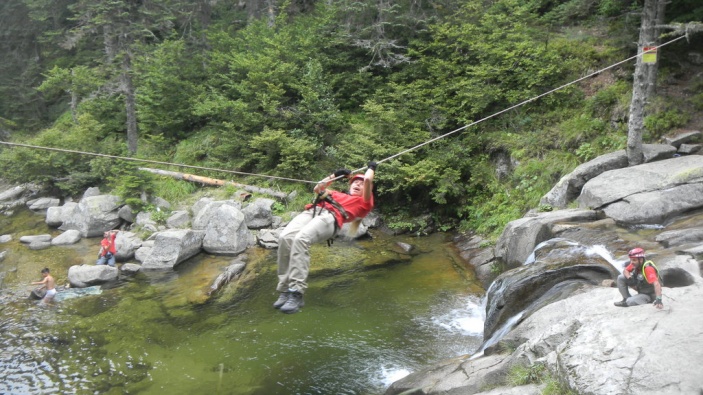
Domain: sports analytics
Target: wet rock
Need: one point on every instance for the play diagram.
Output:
(527, 288)
(39, 245)
(130, 268)
(30, 239)
(172, 247)
(68, 237)
(81, 276)
(520, 237)
(235, 268)
(72, 293)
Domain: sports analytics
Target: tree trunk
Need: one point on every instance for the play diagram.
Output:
(130, 105)
(644, 81)
(213, 181)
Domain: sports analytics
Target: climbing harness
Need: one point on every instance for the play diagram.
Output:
(324, 197)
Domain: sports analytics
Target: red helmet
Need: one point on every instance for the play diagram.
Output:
(636, 253)
(356, 177)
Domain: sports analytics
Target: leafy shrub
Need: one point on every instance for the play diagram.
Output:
(659, 124)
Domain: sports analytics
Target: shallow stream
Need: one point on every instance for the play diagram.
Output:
(367, 321)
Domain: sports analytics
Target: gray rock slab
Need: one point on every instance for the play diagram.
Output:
(683, 138)
(615, 185)
(32, 238)
(569, 187)
(81, 276)
(520, 237)
(656, 207)
(68, 237)
(172, 247)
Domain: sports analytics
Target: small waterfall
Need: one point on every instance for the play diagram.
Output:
(603, 252)
(497, 335)
(531, 259)
(497, 287)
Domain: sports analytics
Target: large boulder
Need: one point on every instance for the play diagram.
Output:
(94, 215)
(650, 193)
(81, 276)
(602, 349)
(556, 269)
(55, 216)
(589, 344)
(126, 244)
(520, 237)
(258, 214)
(207, 211)
(172, 247)
(569, 187)
(226, 232)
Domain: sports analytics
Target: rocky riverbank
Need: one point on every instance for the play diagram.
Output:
(552, 311)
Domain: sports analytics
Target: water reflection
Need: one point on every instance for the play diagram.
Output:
(361, 329)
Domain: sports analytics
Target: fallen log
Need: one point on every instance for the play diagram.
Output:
(213, 181)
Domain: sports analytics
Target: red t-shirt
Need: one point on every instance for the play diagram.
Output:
(108, 244)
(355, 206)
(649, 272)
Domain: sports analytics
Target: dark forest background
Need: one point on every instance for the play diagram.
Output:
(299, 88)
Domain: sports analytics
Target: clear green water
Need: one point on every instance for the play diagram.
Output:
(372, 314)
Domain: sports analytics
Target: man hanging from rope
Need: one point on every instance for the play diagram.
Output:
(319, 222)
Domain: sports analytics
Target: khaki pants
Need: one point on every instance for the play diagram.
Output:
(294, 247)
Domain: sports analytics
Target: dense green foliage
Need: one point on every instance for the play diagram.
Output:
(311, 87)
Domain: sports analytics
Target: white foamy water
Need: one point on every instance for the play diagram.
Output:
(466, 320)
(605, 254)
(393, 374)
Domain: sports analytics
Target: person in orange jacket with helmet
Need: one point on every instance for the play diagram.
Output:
(643, 276)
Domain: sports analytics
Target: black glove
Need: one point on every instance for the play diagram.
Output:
(342, 172)
(372, 165)
(658, 303)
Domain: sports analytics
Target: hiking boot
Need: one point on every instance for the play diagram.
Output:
(293, 304)
(622, 303)
(282, 299)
